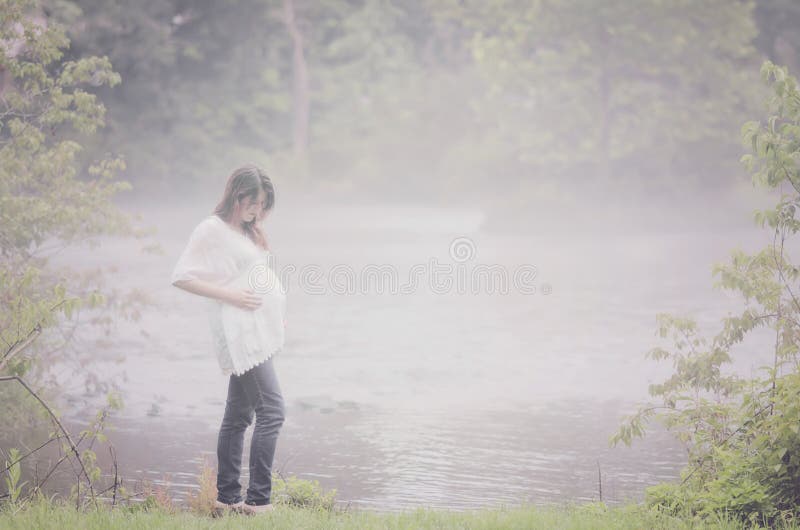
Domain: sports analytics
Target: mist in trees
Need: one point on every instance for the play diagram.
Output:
(514, 104)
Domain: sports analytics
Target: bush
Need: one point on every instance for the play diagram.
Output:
(742, 434)
(303, 493)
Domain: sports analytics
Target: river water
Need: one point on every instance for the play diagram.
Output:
(430, 397)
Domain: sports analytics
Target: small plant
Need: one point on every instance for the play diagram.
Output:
(202, 501)
(295, 491)
(155, 498)
(13, 473)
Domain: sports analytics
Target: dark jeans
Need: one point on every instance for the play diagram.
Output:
(255, 391)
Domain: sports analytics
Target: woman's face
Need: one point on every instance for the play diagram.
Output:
(263, 214)
(251, 207)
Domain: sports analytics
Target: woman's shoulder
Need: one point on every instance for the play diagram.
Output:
(207, 226)
(210, 221)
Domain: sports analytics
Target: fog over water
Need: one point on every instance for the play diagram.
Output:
(402, 399)
(480, 210)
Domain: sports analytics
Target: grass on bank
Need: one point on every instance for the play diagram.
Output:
(304, 504)
(44, 514)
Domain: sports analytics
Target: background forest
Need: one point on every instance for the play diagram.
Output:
(513, 103)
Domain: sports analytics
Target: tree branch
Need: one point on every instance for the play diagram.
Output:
(60, 426)
(29, 453)
(18, 346)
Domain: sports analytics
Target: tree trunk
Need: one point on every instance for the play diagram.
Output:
(300, 92)
(605, 110)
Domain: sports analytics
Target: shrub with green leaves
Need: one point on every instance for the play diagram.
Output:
(45, 205)
(47, 109)
(295, 491)
(742, 434)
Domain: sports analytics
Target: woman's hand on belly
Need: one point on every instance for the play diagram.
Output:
(244, 299)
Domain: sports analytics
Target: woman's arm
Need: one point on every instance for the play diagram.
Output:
(203, 288)
(242, 298)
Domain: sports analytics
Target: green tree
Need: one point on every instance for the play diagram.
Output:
(608, 94)
(47, 205)
(205, 84)
(742, 434)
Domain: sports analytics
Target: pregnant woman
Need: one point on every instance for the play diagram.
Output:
(226, 263)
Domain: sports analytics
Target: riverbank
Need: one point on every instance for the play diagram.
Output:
(47, 515)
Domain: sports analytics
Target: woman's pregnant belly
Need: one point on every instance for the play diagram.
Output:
(261, 330)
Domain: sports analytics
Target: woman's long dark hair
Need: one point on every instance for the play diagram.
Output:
(245, 182)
